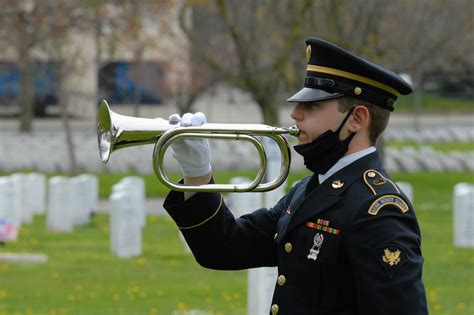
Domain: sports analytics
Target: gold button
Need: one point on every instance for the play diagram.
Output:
(275, 236)
(275, 309)
(357, 91)
(371, 174)
(288, 247)
(281, 280)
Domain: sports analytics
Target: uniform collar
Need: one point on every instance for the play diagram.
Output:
(345, 161)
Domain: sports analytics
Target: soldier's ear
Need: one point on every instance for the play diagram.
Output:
(359, 119)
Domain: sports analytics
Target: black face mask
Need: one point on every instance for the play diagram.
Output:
(324, 151)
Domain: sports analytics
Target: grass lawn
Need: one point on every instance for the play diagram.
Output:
(432, 103)
(82, 277)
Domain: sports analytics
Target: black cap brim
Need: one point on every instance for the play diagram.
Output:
(311, 95)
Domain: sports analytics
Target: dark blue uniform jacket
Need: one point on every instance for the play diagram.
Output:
(351, 245)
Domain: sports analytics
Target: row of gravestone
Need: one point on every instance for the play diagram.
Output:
(430, 134)
(261, 281)
(66, 201)
(226, 155)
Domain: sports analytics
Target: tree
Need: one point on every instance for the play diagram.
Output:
(249, 44)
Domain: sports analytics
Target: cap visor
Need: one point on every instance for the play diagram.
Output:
(311, 95)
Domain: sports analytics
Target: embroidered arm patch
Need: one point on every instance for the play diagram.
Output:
(392, 257)
(386, 200)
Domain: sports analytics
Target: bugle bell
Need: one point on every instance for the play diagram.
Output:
(117, 131)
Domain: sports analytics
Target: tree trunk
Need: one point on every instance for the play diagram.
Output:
(67, 129)
(26, 94)
(270, 113)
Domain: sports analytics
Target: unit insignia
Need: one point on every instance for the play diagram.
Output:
(388, 200)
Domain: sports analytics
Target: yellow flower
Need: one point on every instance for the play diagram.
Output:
(78, 287)
(461, 306)
(437, 307)
(55, 275)
(3, 293)
(181, 306)
(116, 297)
(153, 311)
(135, 289)
(433, 296)
(141, 261)
(92, 295)
(71, 298)
(33, 241)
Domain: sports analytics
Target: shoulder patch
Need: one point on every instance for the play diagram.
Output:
(377, 182)
(386, 200)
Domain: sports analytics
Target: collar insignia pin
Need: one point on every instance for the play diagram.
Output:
(337, 184)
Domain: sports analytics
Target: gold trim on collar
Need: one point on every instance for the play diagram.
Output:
(352, 76)
(203, 222)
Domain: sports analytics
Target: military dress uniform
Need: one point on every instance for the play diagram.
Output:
(349, 245)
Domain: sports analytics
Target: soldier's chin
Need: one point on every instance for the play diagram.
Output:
(303, 138)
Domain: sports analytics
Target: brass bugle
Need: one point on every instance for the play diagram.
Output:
(117, 131)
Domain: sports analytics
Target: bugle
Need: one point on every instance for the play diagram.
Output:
(117, 131)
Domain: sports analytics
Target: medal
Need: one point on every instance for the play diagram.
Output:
(317, 242)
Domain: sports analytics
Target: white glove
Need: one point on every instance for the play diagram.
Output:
(192, 155)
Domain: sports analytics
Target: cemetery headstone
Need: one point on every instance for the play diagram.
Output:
(9, 208)
(60, 216)
(407, 189)
(125, 226)
(463, 215)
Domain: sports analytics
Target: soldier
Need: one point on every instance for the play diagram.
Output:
(346, 239)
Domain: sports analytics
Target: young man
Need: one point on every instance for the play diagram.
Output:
(345, 240)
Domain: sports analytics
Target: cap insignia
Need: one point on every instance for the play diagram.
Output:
(386, 200)
(357, 91)
(308, 53)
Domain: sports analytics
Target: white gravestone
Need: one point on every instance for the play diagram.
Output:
(261, 281)
(407, 189)
(138, 185)
(78, 199)
(37, 184)
(126, 229)
(9, 209)
(22, 197)
(463, 215)
(91, 192)
(59, 216)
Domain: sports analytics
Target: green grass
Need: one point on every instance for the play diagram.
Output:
(82, 277)
(432, 103)
(441, 147)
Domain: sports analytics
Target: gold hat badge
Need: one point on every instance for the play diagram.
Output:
(308, 53)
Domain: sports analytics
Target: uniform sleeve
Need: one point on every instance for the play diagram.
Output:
(385, 256)
(217, 239)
